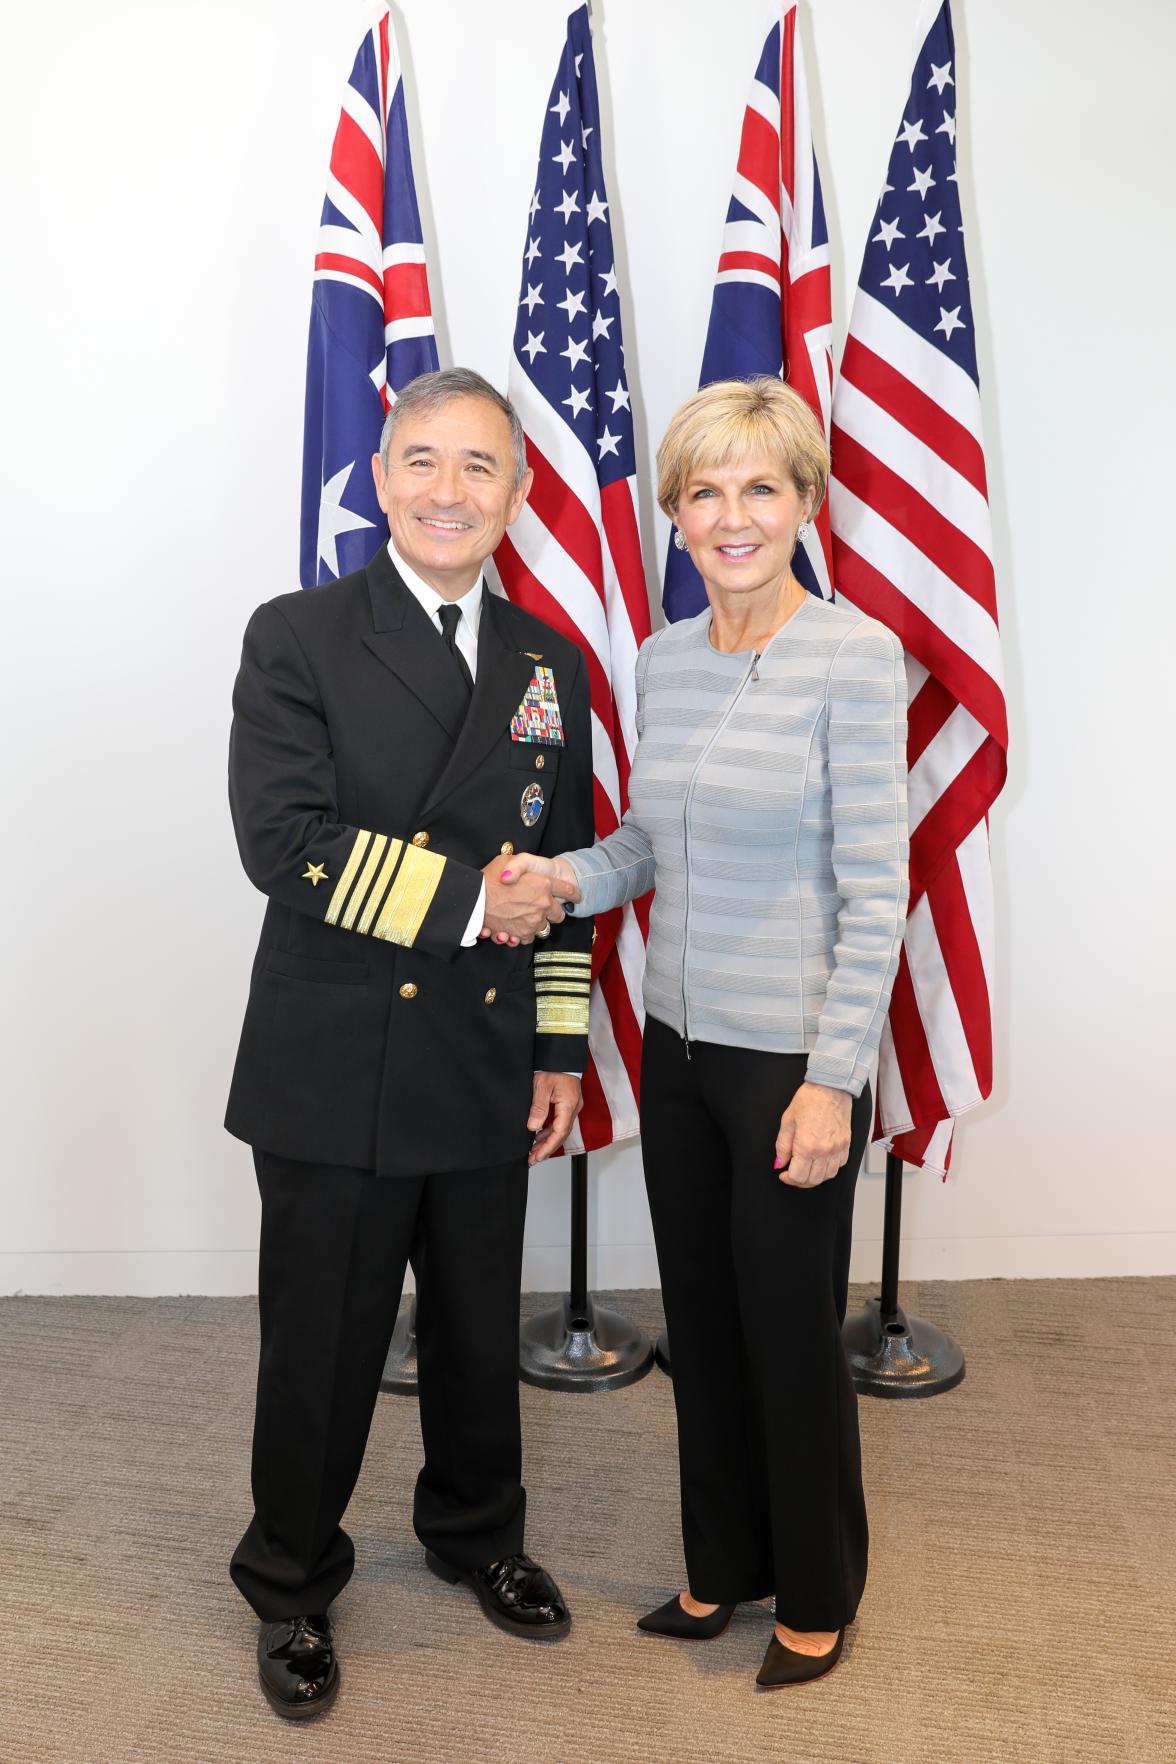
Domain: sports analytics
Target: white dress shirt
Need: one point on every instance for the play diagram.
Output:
(466, 639)
(470, 604)
(470, 607)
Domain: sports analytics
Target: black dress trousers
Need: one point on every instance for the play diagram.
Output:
(754, 1281)
(334, 1247)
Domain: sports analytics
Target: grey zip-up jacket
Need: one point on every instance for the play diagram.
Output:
(767, 807)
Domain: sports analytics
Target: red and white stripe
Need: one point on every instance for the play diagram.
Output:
(573, 558)
(774, 180)
(394, 275)
(912, 547)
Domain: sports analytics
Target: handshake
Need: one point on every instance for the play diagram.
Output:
(525, 895)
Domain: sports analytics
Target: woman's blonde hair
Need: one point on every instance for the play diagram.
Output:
(730, 419)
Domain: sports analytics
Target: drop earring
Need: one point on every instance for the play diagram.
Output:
(679, 541)
(802, 532)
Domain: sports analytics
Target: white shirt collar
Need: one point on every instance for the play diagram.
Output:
(428, 597)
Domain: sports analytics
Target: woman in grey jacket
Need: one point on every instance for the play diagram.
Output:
(768, 811)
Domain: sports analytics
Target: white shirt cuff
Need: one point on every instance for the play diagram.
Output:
(477, 920)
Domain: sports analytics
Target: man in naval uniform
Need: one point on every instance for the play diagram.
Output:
(397, 736)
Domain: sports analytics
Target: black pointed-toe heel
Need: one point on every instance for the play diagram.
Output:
(784, 1666)
(673, 1619)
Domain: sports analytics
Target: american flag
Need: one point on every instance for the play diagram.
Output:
(574, 555)
(912, 546)
(371, 325)
(771, 311)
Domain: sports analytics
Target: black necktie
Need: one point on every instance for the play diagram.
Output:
(450, 617)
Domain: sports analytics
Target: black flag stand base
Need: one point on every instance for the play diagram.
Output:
(400, 1368)
(891, 1354)
(579, 1345)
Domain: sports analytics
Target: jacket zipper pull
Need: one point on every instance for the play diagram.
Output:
(755, 665)
(686, 1045)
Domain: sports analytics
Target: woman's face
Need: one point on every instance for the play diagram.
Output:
(739, 522)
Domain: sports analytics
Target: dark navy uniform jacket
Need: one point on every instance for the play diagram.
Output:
(367, 792)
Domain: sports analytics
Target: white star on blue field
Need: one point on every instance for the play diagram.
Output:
(914, 262)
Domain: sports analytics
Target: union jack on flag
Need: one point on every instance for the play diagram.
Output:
(771, 311)
(912, 546)
(573, 557)
(371, 324)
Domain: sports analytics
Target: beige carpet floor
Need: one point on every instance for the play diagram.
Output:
(1020, 1604)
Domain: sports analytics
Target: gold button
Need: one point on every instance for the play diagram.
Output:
(491, 994)
(540, 762)
(507, 848)
(408, 990)
(420, 839)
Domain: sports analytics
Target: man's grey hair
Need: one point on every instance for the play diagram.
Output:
(430, 392)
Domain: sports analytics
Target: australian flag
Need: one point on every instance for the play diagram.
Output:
(371, 324)
(771, 311)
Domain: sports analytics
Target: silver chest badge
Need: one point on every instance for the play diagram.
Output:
(531, 805)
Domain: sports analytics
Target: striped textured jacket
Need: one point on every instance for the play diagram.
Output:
(768, 811)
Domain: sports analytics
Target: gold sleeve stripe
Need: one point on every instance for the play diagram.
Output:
(557, 1016)
(382, 881)
(410, 897)
(569, 988)
(348, 876)
(544, 956)
(365, 879)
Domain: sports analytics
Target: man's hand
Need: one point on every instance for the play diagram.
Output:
(556, 1100)
(522, 898)
(813, 1141)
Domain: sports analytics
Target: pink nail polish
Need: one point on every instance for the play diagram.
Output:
(778, 1164)
(506, 875)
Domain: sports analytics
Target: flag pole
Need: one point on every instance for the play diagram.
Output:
(578, 1344)
(890, 1353)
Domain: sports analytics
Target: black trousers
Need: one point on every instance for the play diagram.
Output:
(334, 1247)
(754, 1280)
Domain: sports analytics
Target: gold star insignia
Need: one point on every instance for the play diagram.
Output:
(315, 874)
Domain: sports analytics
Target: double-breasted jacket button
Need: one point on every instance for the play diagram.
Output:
(408, 990)
(421, 838)
(491, 994)
(540, 762)
(507, 848)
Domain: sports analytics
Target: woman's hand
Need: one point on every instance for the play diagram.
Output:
(507, 870)
(813, 1141)
(522, 861)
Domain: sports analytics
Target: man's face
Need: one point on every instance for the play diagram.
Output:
(449, 491)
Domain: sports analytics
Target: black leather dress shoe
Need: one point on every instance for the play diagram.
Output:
(297, 1666)
(515, 1593)
(674, 1619)
(785, 1666)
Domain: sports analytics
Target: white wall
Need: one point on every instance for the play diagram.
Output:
(165, 170)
